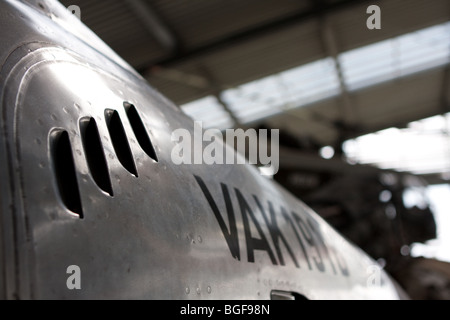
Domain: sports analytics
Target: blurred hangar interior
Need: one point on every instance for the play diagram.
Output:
(363, 113)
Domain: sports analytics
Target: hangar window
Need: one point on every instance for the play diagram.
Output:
(421, 148)
(293, 88)
(319, 80)
(65, 173)
(210, 112)
(397, 57)
(95, 156)
(120, 141)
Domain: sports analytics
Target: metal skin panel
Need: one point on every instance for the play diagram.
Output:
(171, 232)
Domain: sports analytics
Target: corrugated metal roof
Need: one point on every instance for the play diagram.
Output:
(397, 17)
(201, 21)
(257, 58)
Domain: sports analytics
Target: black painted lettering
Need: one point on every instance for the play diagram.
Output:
(308, 227)
(289, 220)
(342, 264)
(253, 243)
(275, 233)
(316, 230)
(231, 235)
(310, 240)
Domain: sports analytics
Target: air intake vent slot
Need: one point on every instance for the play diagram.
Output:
(120, 141)
(65, 173)
(139, 131)
(94, 154)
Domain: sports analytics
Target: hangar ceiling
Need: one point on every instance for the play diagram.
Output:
(192, 49)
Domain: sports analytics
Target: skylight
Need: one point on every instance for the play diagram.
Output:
(363, 67)
(396, 57)
(289, 89)
(209, 111)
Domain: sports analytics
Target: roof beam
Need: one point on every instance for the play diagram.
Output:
(217, 90)
(242, 37)
(191, 80)
(348, 120)
(154, 25)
